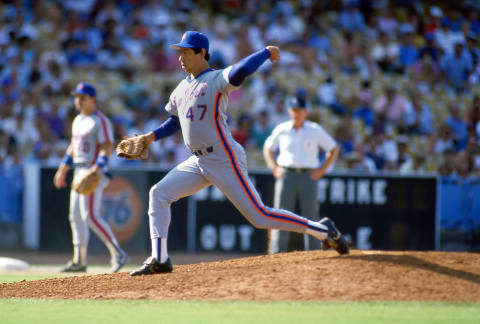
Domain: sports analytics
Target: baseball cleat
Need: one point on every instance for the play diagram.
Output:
(152, 266)
(120, 260)
(74, 267)
(335, 239)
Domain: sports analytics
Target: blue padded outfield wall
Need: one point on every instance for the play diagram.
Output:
(11, 189)
(459, 213)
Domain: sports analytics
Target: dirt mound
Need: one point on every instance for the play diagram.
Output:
(313, 275)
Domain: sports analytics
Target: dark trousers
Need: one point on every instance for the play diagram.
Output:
(295, 185)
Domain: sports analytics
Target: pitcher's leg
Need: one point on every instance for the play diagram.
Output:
(180, 182)
(175, 185)
(232, 179)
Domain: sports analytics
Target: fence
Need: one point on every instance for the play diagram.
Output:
(376, 211)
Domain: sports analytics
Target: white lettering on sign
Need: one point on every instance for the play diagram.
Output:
(226, 237)
(208, 237)
(352, 191)
(322, 190)
(337, 191)
(363, 238)
(245, 232)
(363, 192)
(379, 187)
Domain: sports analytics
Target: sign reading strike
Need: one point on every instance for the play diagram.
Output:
(352, 191)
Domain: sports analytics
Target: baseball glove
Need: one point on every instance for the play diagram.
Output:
(132, 148)
(86, 184)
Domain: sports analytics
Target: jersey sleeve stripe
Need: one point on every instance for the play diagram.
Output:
(240, 177)
(103, 123)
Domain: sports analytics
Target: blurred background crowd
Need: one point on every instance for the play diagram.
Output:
(396, 82)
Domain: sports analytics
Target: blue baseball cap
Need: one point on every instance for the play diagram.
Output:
(84, 88)
(191, 39)
(297, 103)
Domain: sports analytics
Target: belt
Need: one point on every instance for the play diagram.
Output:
(202, 152)
(298, 170)
(108, 174)
(82, 165)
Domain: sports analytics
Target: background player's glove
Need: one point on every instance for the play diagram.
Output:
(86, 184)
(133, 148)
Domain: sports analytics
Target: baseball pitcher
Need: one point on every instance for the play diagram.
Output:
(198, 106)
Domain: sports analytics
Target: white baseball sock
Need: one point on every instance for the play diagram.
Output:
(320, 231)
(79, 254)
(159, 249)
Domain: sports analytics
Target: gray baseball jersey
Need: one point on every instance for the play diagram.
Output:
(193, 101)
(88, 132)
(201, 106)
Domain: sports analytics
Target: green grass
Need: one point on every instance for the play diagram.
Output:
(139, 311)
(29, 277)
(53, 311)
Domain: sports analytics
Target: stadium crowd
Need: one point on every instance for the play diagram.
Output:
(395, 81)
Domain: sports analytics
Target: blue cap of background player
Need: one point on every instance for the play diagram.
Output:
(192, 39)
(84, 88)
(297, 103)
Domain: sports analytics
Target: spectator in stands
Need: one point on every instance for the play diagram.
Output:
(456, 68)
(385, 53)
(446, 38)
(442, 141)
(458, 126)
(415, 165)
(382, 149)
(351, 19)
(243, 130)
(387, 23)
(419, 119)
(472, 50)
(261, 129)
(327, 95)
(408, 53)
(362, 102)
(359, 161)
(403, 151)
(344, 135)
(430, 48)
(391, 106)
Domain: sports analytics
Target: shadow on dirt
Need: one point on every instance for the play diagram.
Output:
(410, 261)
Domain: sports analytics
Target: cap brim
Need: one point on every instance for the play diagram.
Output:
(76, 93)
(180, 45)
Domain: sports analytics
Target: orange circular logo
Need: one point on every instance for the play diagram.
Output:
(122, 208)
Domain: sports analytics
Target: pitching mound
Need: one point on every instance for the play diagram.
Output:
(313, 275)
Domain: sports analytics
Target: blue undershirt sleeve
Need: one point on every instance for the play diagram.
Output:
(247, 66)
(169, 127)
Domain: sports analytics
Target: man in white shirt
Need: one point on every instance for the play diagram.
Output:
(297, 167)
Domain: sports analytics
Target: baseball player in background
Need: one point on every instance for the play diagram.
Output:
(297, 167)
(198, 106)
(89, 149)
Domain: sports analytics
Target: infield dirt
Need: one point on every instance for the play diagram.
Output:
(306, 276)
